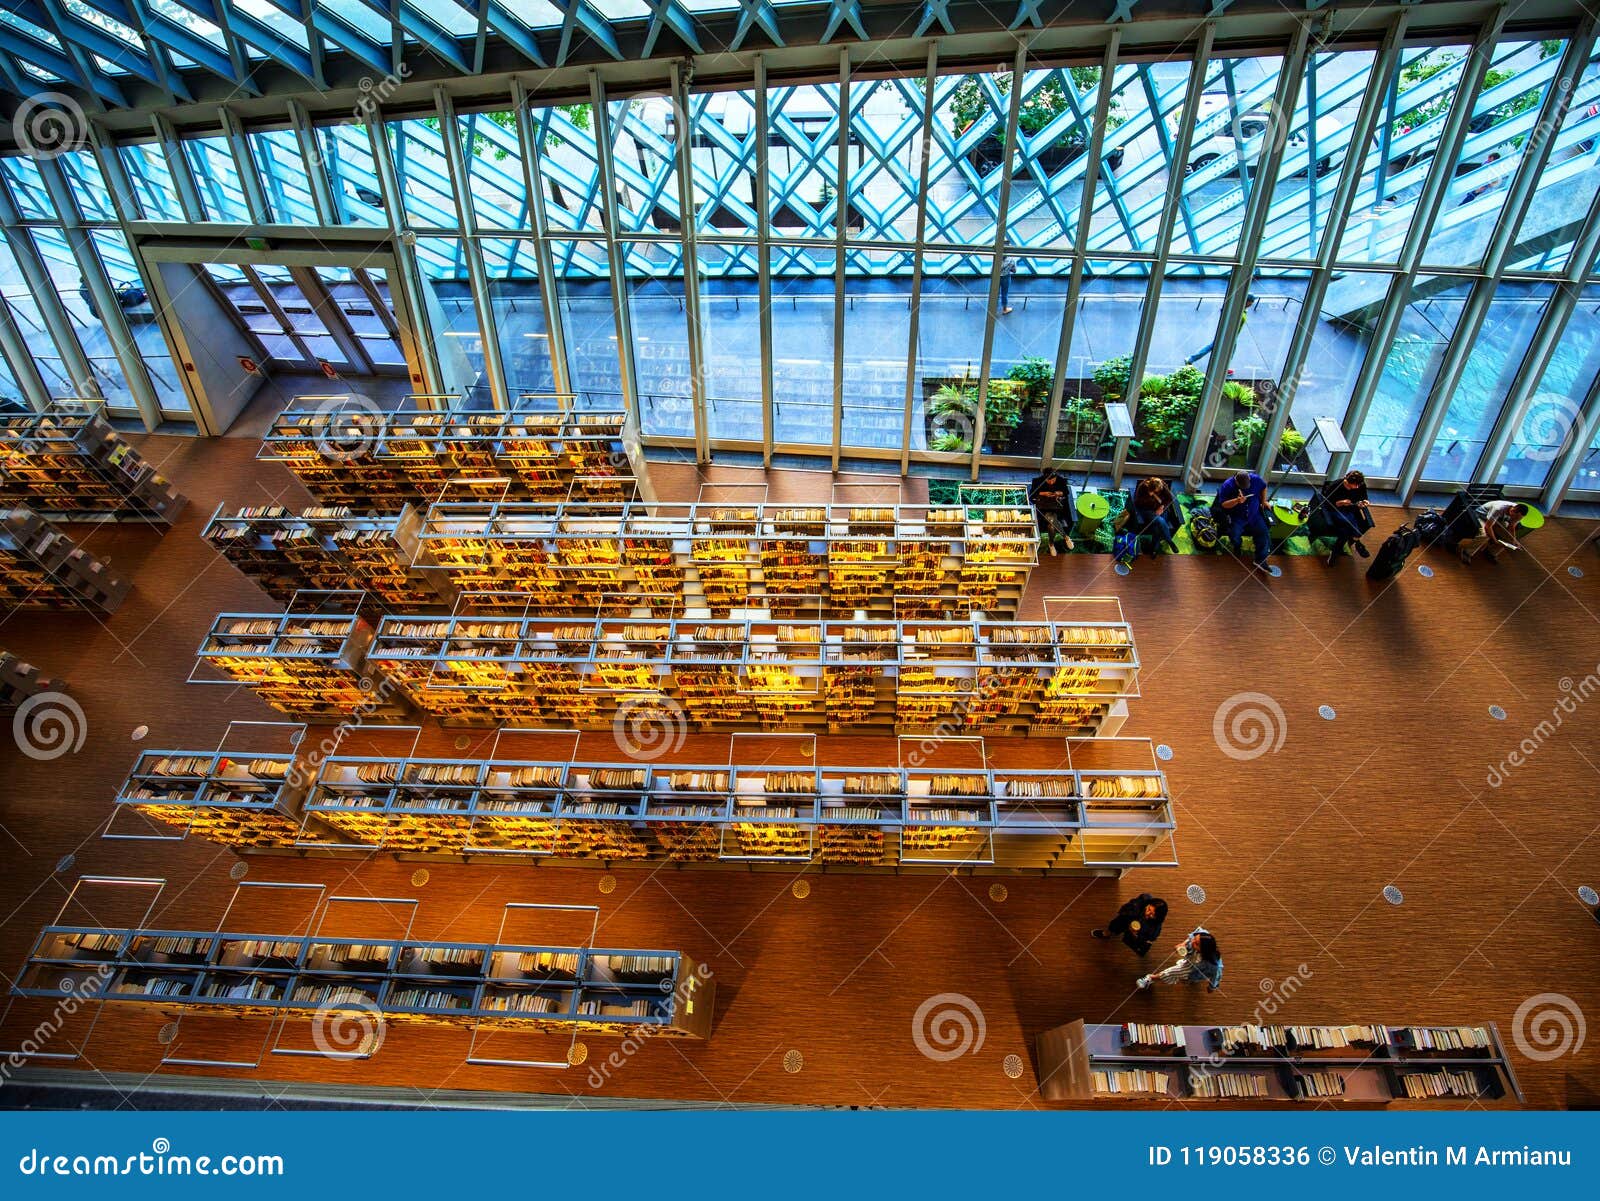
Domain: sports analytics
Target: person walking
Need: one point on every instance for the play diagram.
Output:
(1199, 961)
(1138, 922)
(1008, 268)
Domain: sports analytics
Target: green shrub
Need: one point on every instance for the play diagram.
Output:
(1291, 444)
(1035, 375)
(1111, 377)
(1248, 432)
(1241, 396)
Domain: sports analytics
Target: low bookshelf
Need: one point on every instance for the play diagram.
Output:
(1112, 812)
(474, 985)
(346, 453)
(237, 800)
(308, 664)
(42, 568)
(1364, 1063)
(20, 680)
(1072, 678)
(69, 463)
(330, 548)
(885, 561)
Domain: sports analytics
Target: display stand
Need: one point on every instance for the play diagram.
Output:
(70, 464)
(1250, 1064)
(20, 680)
(42, 568)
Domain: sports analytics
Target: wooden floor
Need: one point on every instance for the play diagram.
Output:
(1293, 848)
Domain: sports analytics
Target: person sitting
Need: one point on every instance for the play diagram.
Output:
(1497, 527)
(1240, 509)
(1341, 512)
(1051, 497)
(1154, 513)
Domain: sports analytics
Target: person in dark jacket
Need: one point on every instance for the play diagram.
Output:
(1155, 513)
(1051, 497)
(1138, 921)
(1341, 512)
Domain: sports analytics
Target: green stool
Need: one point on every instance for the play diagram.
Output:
(1092, 510)
(1286, 522)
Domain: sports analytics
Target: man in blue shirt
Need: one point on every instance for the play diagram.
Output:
(1240, 508)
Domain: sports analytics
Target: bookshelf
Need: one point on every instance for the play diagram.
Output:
(790, 560)
(781, 815)
(1362, 1063)
(381, 461)
(329, 547)
(42, 568)
(68, 463)
(1070, 677)
(310, 664)
(237, 800)
(472, 985)
(20, 680)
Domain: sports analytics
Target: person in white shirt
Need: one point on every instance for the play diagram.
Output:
(1497, 528)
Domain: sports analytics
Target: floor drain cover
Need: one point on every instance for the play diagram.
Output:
(419, 877)
(1575, 572)
(1392, 894)
(64, 864)
(1496, 712)
(139, 732)
(1163, 751)
(1588, 895)
(238, 871)
(801, 889)
(463, 743)
(1274, 570)
(998, 892)
(1196, 894)
(1425, 571)
(793, 1061)
(608, 884)
(1013, 1066)
(167, 1034)
(295, 736)
(1326, 712)
(577, 1054)
(1122, 569)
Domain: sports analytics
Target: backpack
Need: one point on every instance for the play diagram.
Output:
(1391, 556)
(1203, 529)
(1125, 548)
(1431, 525)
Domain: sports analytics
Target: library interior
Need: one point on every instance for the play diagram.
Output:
(1123, 643)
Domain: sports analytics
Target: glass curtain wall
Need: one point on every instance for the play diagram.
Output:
(669, 294)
